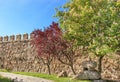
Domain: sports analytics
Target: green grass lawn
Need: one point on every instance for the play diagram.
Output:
(46, 76)
(2, 79)
(50, 77)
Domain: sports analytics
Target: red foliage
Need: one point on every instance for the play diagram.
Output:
(45, 40)
(49, 43)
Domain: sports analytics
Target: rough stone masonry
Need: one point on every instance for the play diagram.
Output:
(18, 54)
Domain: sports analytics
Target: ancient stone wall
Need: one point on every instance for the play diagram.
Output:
(18, 54)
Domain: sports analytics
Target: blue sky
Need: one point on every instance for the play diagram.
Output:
(23, 16)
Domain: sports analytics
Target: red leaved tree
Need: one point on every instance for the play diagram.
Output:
(65, 53)
(44, 43)
(50, 44)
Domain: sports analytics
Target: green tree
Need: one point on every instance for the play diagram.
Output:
(93, 24)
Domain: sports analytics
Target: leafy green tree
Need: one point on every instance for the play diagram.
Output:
(93, 24)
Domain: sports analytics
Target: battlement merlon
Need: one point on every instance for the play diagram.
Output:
(18, 37)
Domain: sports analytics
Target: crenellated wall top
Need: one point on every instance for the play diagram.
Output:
(18, 37)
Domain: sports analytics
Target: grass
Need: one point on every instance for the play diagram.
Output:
(3, 70)
(45, 76)
(2, 79)
(50, 77)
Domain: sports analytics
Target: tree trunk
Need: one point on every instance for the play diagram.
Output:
(100, 64)
(49, 71)
(73, 69)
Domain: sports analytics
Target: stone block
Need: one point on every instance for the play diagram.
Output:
(89, 65)
(5, 38)
(31, 36)
(88, 75)
(12, 38)
(18, 37)
(62, 74)
(25, 36)
(1, 38)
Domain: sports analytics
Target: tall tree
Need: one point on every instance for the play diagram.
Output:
(50, 44)
(44, 43)
(93, 24)
(65, 53)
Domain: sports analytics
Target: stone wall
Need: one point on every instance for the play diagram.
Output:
(18, 54)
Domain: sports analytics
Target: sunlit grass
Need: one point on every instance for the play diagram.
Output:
(46, 76)
(51, 77)
(3, 70)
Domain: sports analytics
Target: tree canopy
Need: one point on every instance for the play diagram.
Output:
(93, 24)
(44, 41)
(49, 44)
